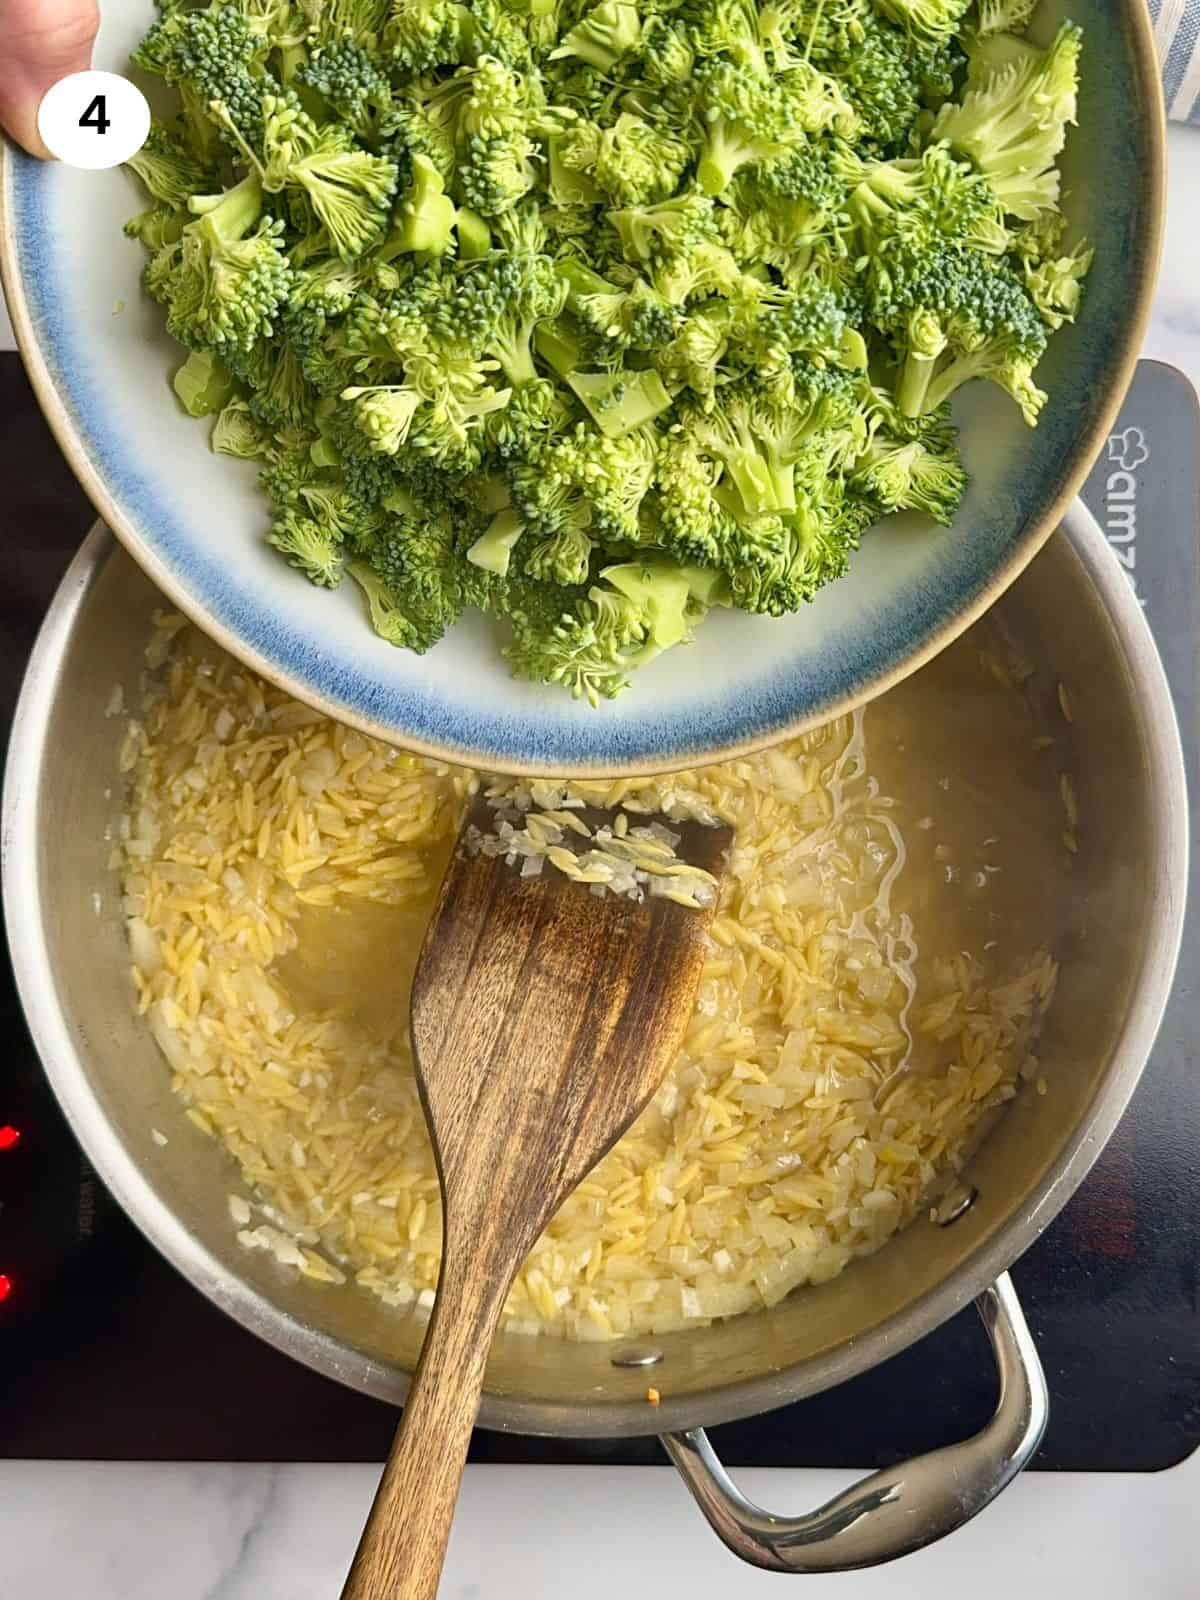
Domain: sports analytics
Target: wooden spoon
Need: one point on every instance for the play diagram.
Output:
(543, 1020)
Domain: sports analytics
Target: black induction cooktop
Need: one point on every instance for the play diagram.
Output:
(107, 1353)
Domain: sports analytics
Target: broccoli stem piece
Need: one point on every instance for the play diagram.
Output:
(387, 618)
(558, 346)
(229, 216)
(515, 357)
(203, 384)
(474, 235)
(493, 549)
(926, 342)
(621, 401)
(581, 281)
(425, 217)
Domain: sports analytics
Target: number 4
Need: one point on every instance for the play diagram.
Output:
(96, 116)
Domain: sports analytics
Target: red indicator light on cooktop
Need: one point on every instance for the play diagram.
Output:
(5, 1286)
(9, 1136)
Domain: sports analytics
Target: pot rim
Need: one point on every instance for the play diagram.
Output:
(62, 1061)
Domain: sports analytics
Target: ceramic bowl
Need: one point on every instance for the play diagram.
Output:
(101, 360)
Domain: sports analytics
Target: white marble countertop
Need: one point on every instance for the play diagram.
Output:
(183, 1532)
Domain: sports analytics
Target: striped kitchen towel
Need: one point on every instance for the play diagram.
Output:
(1177, 40)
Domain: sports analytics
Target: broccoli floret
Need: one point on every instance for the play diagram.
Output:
(215, 56)
(808, 320)
(758, 441)
(349, 189)
(690, 520)
(778, 213)
(635, 317)
(667, 56)
(907, 475)
(536, 411)
(909, 210)
(310, 546)
(692, 359)
(423, 34)
(602, 35)
(353, 83)
(1055, 285)
(157, 227)
(281, 393)
(648, 233)
(632, 162)
(888, 77)
(497, 173)
(409, 131)
(967, 317)
(704, 270)
(745, 121)
(238, 432)
(776, 564)
(384, 414)
(928, 20)
(582, 488)
(636, 612)
(226, 277)
(498, 303)
(414, 578)
(168, 169)
(491, 114)
(1013, 124)
(1003, 16)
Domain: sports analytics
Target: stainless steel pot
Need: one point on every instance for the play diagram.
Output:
(1079, 623)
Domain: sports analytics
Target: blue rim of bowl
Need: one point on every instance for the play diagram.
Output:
(775, 708)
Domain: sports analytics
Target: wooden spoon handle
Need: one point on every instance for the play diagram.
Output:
(403, 1545)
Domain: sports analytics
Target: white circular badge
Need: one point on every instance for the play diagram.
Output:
(94, 119)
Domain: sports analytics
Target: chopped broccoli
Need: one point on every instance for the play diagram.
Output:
(634, 614)
(749, 117)
(1004, 16)
(169, 170)
(594, 316)
(1013, 124)
(932, 20)
(308, 545)
(602, 35)
(203, 384)
(238, 432)
(226, 277)
(908, 475)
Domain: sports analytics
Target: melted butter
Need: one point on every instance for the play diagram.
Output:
(975, 801)
(941, 780)
(357, 961)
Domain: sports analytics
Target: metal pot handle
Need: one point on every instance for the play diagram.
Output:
(901, 1508)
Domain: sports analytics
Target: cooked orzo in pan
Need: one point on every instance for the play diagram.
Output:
(882, 955)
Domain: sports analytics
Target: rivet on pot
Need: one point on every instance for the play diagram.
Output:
(955, 1203)
(636, 1355)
